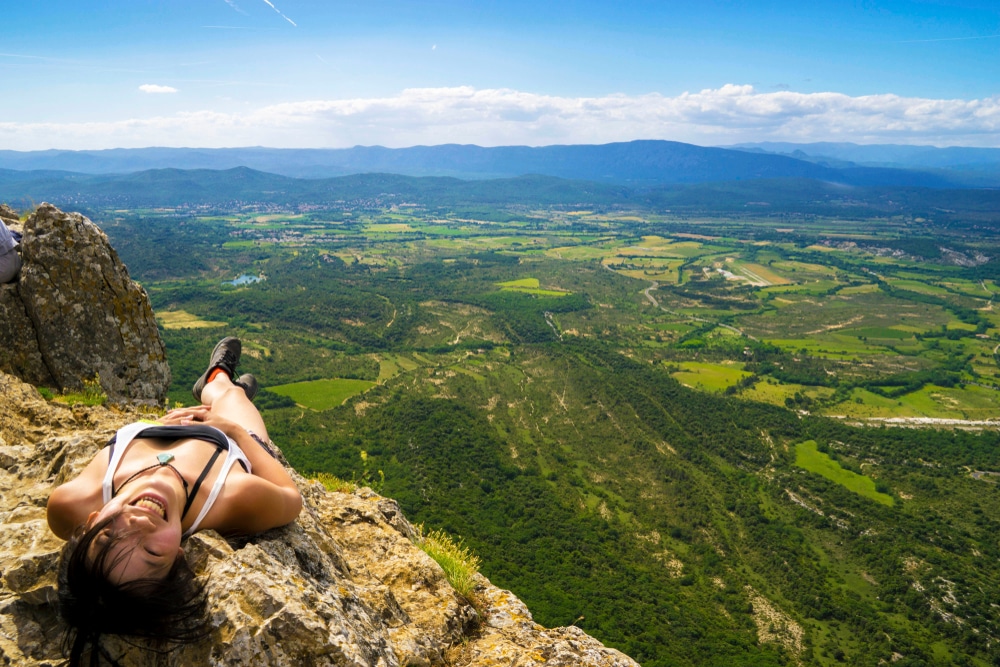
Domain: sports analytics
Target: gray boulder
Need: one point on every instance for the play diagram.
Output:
(75, 314)
(7, 214)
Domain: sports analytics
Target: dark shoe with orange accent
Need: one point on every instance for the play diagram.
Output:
(249, 384)
(226, 356)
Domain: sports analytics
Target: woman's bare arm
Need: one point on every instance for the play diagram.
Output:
(71, 503)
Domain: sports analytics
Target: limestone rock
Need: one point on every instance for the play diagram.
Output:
(87, 317)
(19, 353)
(7, 214)
(344, 585)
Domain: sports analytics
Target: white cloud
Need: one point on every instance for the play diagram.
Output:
(153, 88)
(491, 117)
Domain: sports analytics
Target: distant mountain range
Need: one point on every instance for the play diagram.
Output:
(238, 188)
(968, 167)
(635, 163)
(885, 155)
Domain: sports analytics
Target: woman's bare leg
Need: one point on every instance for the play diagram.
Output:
(229, 401)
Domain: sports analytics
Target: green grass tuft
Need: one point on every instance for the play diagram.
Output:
(91, 394)
(334, 483)
(457, 561)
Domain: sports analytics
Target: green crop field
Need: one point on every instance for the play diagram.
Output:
(531, 283)
(714, 377)
(808, 457)
(530, 286)
(322, 394)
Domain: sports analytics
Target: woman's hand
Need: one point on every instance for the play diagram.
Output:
(201, 414)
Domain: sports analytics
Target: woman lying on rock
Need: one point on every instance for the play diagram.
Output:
(125, 516)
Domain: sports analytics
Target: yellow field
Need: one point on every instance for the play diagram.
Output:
(390, 227)
(858, 289)
(756, 270)
(579, 252)
(181, 319)
(531, 283)
(274, 217)
(658, 247)
(391, 365)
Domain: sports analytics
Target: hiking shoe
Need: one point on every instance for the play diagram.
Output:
(226, 356)
(249, 384)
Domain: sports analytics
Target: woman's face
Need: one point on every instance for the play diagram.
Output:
(146, 528)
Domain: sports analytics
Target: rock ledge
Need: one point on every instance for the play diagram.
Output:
(343, 585)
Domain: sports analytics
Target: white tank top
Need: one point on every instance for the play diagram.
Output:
(127, 434)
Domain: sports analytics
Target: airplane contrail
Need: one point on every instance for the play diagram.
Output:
(232, 3)
(271, 5)
(943, 39)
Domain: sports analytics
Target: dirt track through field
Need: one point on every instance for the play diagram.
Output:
(656, 304)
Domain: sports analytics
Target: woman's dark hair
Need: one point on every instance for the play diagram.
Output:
(171, 610)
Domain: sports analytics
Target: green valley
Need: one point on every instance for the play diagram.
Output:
(704, 437)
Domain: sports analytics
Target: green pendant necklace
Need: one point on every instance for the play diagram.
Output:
(162, 460)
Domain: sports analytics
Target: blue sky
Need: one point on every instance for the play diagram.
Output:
(325, 73)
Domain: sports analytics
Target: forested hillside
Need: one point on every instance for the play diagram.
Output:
(667, 429)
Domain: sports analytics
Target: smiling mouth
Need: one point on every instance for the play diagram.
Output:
(151, 504)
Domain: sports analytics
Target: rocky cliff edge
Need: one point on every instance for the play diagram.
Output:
(343, 585)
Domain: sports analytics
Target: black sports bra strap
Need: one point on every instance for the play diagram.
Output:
(197, 431)
(201, 478)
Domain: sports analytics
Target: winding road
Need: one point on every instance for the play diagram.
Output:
(652, 299)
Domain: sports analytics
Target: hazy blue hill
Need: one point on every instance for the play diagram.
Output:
(171, 187)
(225, 189)
(885, 155)
(16, 176)
(635, 162)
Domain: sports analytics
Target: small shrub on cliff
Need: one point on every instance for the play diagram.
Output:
(367, 478)
(457, 561)
(91, 394)
(333, 483)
